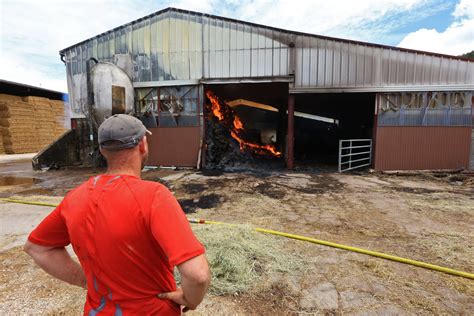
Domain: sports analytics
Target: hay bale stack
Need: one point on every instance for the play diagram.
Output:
(30, 123)
(9, 98)
(60, 117)
(2, 149)
(19, 134)
(43, 120)
(3, 121)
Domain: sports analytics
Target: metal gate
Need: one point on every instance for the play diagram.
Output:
(354, 153)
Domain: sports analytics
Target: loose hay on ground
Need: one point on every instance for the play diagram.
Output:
(241, 259)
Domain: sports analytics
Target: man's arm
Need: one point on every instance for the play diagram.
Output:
(195, 279)
(57, 262)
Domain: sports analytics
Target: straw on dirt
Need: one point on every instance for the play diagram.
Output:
(241, 258)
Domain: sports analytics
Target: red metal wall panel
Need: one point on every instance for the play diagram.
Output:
(174, 146)
(423, 147)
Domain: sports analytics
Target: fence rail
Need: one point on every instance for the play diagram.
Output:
(354, 153)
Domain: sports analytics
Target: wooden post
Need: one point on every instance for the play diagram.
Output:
(290, 160)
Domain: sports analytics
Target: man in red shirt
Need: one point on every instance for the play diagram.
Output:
(128, 234)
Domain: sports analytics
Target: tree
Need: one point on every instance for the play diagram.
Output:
(469, 55)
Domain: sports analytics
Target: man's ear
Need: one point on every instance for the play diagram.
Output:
(143, 145)
(101, 151)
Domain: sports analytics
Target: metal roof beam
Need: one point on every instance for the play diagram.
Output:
(408, 88)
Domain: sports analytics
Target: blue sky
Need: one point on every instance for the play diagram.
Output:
(439, 19)
(436, 16)
(32, 31)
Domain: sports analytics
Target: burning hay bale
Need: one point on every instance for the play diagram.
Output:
(227, 139)
(241, 258)
(221, 151)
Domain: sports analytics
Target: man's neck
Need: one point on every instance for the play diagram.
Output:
(125, 171)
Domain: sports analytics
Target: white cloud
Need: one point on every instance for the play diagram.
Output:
(17, 69)
(32, 32)
(464, 9)
(457, 39)
(323, 16)
(206, 6)
(363, 20)
(342, 18)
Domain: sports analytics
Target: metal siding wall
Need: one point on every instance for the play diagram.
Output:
(164, 47)
(174, 146)
(324, 63)
(449, 110)
(236, 50)
(418, 148)
(176, 45)
(170, 47)
(471, 163)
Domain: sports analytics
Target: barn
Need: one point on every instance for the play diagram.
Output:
(302, 99)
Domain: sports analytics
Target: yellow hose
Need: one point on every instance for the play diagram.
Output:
(312, 240)
(353, 249)
(28, 202)
(370, 253)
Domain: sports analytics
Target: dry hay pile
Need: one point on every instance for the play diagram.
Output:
(44, 125)
(2, 148)
(59, 117)
(241, 258)
(19, 133)
(30, 123)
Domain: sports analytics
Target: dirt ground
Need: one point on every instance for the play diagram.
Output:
(427, 217)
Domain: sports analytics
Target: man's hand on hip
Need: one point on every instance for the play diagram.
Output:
(177, 297)
(195, 278)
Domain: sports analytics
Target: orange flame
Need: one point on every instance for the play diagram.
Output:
(222, 111)
(259, 149)
(238, 124)
(216, 107)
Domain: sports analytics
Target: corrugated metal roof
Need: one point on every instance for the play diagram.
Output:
(61, 52)
(185, 46)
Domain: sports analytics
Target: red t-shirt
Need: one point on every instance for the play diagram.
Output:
(128, 234)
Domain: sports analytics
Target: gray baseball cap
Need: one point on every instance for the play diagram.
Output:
(125, 130)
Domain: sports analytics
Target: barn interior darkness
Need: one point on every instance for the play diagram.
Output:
(317, 141)
(321, 120)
